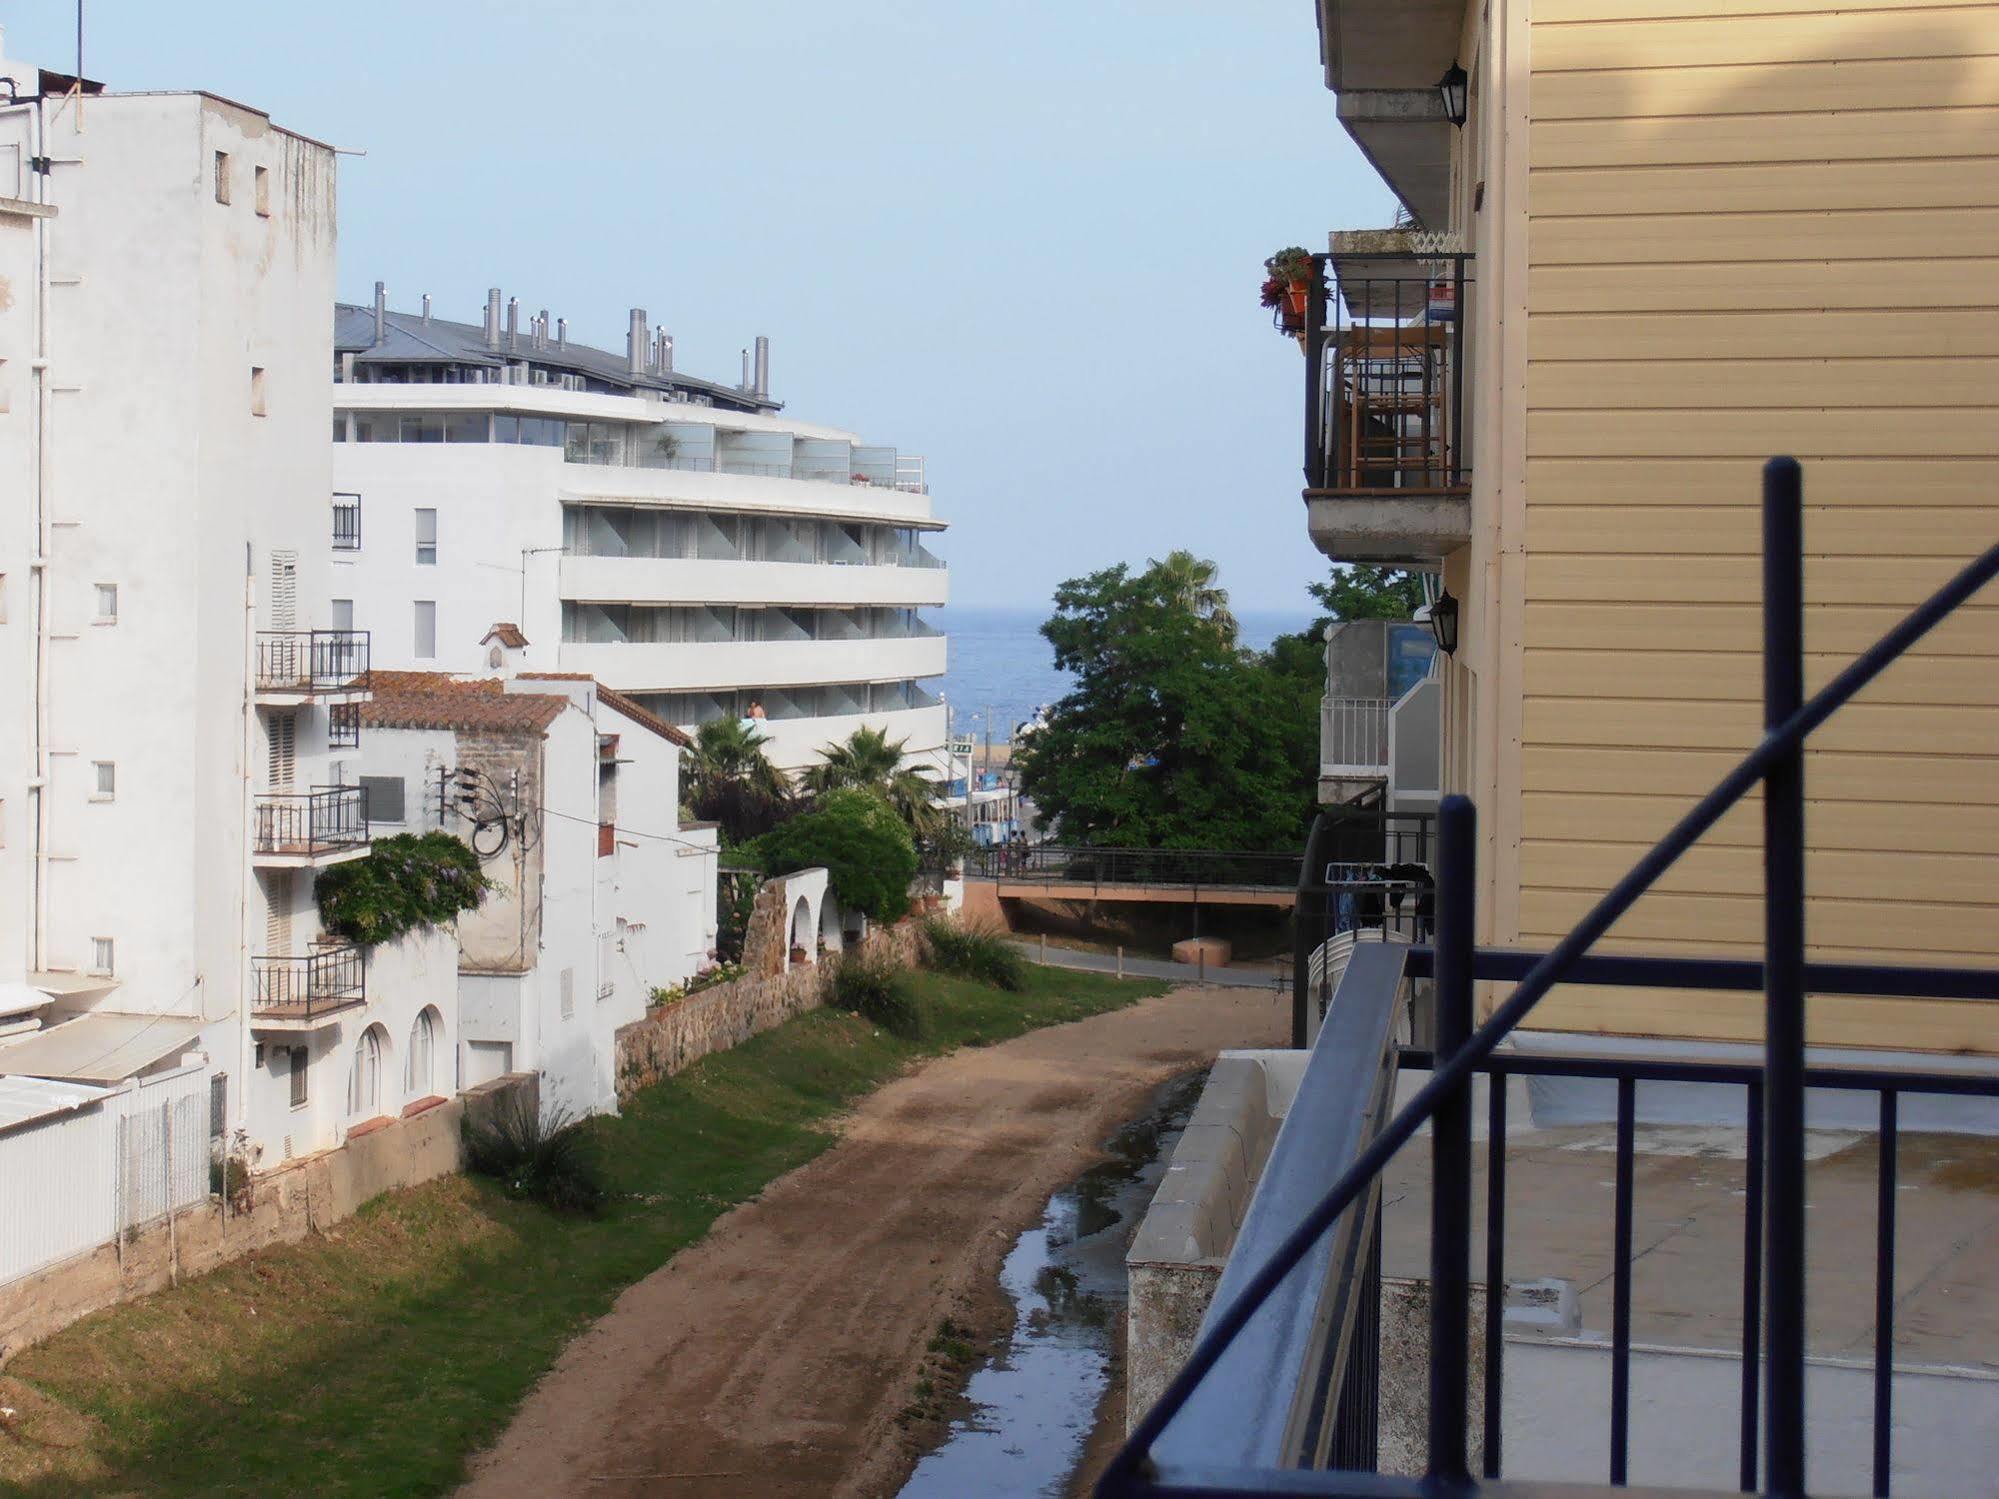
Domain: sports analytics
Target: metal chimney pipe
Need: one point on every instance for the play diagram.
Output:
(665, 352)
(763, 366)
(513, 322)
(635, 342)
(541, 329)
(492, 317)
(562, 332)
(744, 383)
(426, 309)
(381, 309)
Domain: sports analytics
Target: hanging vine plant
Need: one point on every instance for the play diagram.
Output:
(408, 881)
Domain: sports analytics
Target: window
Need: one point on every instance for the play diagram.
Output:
(107, 603)
(419, 1075)
(426, 538)
(106, 782)
(296, 1061)
(347, 523)
(426, 629)
(257, 407)
(222, 176)
(364, 1095)
(103, 955)
(343, 614)
(218, 1107)
(384, 796)
(263, 192)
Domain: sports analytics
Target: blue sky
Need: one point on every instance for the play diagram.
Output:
(1022, 239)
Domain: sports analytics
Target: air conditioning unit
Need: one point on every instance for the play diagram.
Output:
(572, 382)
(540, 377)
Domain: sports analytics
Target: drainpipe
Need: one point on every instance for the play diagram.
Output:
(38, 569)
(246, 976)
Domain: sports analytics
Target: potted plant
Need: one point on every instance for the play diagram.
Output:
(1287, 282)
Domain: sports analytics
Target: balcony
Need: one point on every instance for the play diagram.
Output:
(307, 829)
(1353, 740)
(1387, 449)
(297, 666)
(707, 666)
(900, 583)
(297, 993)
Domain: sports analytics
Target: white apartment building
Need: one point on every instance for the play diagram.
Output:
(173, 702)
(677, 539)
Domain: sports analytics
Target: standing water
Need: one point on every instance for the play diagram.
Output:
(1034, 1402)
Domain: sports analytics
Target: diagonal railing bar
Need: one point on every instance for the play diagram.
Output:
(1453, 1074)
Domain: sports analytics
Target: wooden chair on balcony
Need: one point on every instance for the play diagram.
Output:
(1389, 411)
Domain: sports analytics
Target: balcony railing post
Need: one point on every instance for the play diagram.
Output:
(1783, 979)
(1315, 349)
(1450, 1146)
(1454, 350)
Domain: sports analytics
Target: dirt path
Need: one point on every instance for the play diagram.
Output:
(772, 1357)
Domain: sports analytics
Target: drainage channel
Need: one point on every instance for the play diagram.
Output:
(1033, 1404)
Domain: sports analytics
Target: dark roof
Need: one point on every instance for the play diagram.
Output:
(408, 339)
(434, 700)
(645, 718)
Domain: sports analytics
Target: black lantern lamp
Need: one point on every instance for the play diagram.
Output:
(1453, 87)
(1444, 622)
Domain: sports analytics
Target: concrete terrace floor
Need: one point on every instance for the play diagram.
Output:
(1688, 1205)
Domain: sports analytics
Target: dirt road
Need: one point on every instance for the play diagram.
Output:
(773, 1357)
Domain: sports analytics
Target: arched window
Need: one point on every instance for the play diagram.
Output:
(419, 1072)
(364, 1093)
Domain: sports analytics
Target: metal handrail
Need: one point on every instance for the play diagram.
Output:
(1443, 1102)
(324, 819)
(308, 661)
(1188, 868)
(309, 984)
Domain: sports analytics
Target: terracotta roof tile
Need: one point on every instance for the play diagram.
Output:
(507, 633)
(644, 717)
(433, 700)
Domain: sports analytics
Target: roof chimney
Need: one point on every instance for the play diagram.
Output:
(744, 383)
(513, 322)
(665, 352)
(763, 366)
(381, 310)
(426, 309)
(635, 342)
(562, 332)
(541, 329)
(493, 317)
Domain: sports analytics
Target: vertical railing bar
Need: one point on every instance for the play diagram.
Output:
(1450, 1147)
(1495, 1264)
(1455, 375)
(1315, 344)
(1783, 970)
(1752, 1287)
(1884, 1294)
(1620, 1295)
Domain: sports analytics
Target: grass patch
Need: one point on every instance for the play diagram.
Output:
(373, 1359)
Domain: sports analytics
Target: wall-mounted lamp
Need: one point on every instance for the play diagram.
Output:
(1444, 622)
(1453, 86)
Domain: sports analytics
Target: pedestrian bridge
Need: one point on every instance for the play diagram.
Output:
(1050, 871)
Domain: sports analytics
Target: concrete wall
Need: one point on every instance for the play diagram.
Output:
(305, 1196)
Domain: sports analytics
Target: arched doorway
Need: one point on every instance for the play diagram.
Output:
(804, 933)
(420, 1069)
(364, 1093)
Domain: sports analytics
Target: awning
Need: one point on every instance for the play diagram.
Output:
(99, 1048)
(19, 999)
(23, 1100)
(71, 982)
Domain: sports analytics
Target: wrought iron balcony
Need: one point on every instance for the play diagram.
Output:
(310, 986)
(309, 826)
(311, 663)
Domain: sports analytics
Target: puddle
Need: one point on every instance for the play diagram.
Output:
(1034, 1403)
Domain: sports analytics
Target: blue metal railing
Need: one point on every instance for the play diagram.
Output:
(1203, 1456)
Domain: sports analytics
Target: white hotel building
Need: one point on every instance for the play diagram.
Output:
(677, 539)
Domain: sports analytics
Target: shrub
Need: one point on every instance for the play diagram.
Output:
(407, 881)
(864, 846)
(879, 991)
(980, 953)
(544, 1157)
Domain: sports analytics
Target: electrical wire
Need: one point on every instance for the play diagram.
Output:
(700, 848)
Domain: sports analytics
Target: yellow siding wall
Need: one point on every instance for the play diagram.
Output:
(1761, 226)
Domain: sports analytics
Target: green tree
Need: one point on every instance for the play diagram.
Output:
(870, 761)
(864, 846)
(1360, 590)
(1189, 582)
(1172, 737)
(731, 781)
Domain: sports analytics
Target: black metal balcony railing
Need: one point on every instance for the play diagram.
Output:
(308, 661)
(323, 820)
(1280, 1393)
(300, 988)
(343, 726)
(347, 523)
(1384, 380)
(1189, 868)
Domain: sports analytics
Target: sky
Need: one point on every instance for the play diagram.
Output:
(1022, 239)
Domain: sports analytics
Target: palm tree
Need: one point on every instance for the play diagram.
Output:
(731, 780)
(870, 761)
(1190, 582)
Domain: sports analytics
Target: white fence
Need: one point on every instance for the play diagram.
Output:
(1353, 735)
(78, 1180)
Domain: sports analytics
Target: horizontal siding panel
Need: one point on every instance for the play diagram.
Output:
(1831, 1020)
(1557, 11)
(1832, 581)
(1756, 286)
(1958, 532)
(1855, 133)
(1850, 36)
(1913, 930)
(1791, 186)
(1803, 333)
(1680, 480)
(1642, 819)
(1889, 876)
(1677, 239)
(1904, 432)
(1832, 629)
(1926, 780)
(1920, 681)
(1765, 384)
(1868, 728)
(1888, 83)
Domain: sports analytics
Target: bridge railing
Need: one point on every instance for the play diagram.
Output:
(1187, 868)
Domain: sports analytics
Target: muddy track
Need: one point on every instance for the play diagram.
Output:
(774, 1357)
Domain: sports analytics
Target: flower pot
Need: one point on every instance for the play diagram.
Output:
(1297, 297)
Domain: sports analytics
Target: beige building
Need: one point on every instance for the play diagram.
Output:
(1696, 233)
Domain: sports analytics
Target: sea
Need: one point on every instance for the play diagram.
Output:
(1000, 668)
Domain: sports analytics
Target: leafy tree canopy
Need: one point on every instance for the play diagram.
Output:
(1173, 737)
(870, 761)
(407, 881)
(730, 781)
(863, 844)
(1358, 590)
